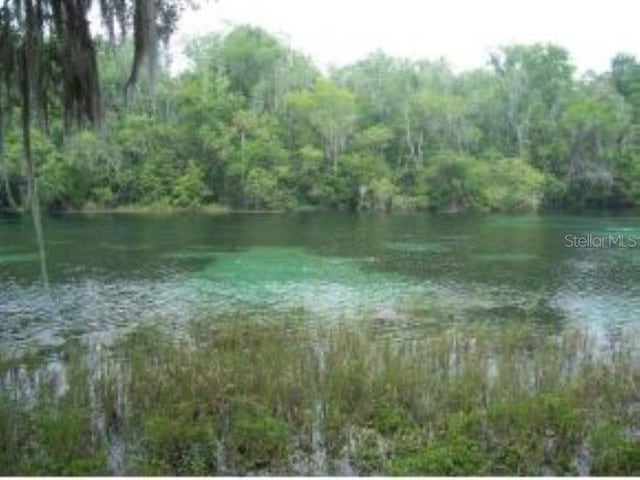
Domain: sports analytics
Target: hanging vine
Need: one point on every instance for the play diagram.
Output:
(48, 60)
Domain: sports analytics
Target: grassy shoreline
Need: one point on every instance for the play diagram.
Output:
(332, 400)
(214, 209)
(164, 208)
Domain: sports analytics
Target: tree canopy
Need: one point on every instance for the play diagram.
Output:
(253, 124)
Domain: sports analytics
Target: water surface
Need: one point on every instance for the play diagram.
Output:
(112, 272)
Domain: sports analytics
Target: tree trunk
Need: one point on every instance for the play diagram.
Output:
(415, 150)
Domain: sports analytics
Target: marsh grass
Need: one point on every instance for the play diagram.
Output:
(252, 397)
(46, 429)
(154, 208)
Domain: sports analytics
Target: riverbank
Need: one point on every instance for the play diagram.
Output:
(289, 399)
(156, 208)
(164, 208)
(402, 208)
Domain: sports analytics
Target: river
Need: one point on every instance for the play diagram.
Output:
(112, 272)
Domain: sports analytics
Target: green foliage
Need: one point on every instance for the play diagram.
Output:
(61, 438)
(254, 125)
(262, 191)
(380, 194)
(388, 418)
(48, 438)
(178, 444)
(458, 456)
(330, 110)
(228, 398)
(250, 54)
(615, 454)
(189, 189)
(258, 441)
(456, 183)
(515, 186)
(553, 432)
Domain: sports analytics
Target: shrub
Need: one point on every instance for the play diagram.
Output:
(515, 186)
(190, 189)
(456, 182)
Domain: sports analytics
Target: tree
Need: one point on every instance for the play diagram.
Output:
(256, 124)
(190, 189)
(331, 111)
(592, 123)
(625, 73)
(535, 80)
(48, 55)
(456, 182)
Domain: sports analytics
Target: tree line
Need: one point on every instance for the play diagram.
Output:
(254, 124)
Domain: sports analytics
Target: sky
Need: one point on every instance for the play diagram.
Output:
(338, 32)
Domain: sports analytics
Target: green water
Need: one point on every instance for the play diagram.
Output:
(109, 272)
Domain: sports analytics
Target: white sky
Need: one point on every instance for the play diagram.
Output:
(463, 31)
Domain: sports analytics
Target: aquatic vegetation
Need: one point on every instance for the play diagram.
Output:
(282, 278)
(257, 440)
(192, 255)
(177, 443)
(257, 397)
(615, 453)
(17, 257)
(505, 257)
(458, 456)
(423, 247)
(46, 434)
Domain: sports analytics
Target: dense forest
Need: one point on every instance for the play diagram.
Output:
(254, 125)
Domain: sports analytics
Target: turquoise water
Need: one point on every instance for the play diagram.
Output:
(112, 272)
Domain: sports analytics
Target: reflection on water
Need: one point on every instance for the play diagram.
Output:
(111, 272)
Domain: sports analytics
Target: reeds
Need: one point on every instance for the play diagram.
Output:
(294, 398)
